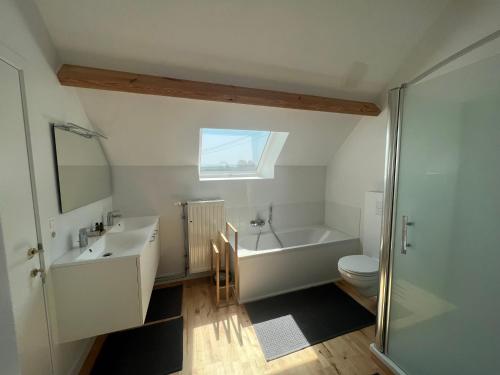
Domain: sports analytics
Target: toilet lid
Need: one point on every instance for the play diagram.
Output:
(359, 264)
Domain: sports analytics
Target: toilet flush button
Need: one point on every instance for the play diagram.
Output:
(378, 208)
(52, 227)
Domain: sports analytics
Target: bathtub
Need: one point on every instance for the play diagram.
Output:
(309, 257)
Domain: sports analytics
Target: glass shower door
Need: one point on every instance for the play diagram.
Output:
(444, 314)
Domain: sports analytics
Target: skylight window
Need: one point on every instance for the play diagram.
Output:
(232, 154)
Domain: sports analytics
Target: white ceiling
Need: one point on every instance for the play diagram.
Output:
(156, 130)
(344, 48)
(347, 48)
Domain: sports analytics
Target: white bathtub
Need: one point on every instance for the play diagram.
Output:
(309, 257)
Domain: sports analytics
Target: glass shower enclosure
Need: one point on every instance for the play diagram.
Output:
(439, 304)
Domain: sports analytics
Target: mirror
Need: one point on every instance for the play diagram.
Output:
(83, 171)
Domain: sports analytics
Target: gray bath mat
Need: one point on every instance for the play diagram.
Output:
(290, 322)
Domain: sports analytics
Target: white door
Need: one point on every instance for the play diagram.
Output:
(18, 231)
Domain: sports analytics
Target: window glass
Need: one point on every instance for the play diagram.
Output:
(231, 152)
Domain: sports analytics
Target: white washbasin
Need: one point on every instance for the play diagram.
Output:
(126, 238)
(133, 223)
(115, 244)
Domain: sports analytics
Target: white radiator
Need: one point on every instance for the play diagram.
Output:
(205, 220)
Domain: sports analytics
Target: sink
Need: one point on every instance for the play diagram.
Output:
(124, 243)
(132, 223)
(106, 286)
(126, 238)
(116, 243)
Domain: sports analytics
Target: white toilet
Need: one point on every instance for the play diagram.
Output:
(361, 271)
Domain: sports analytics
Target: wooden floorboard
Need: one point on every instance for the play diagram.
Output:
(222, 341)
(92, 355)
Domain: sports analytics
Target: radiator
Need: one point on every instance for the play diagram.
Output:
(205, 220)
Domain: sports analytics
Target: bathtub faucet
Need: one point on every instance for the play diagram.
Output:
(257, 223)
(270, 222)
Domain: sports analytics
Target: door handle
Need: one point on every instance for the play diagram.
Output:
(404, 236)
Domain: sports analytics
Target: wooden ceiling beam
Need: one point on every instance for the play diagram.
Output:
(111, 80)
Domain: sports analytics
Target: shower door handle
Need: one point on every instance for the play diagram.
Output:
(404, 236)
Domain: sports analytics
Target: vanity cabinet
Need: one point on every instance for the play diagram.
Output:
(105, 293)
(147, 266)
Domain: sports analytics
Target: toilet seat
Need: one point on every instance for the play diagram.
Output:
(359, 265)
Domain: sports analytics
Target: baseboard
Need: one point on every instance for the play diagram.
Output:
(385, 362)
(169, 277)
(88, 360)
(78, 364)
(311, 285)
(180, 277)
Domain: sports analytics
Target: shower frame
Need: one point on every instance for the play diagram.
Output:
(393, 145)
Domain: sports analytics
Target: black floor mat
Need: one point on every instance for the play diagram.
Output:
(290, 322)
(165, 303)
(154, 349)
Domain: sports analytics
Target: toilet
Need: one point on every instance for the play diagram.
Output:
(361, 271)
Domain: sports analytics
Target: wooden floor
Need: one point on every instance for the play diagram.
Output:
(223, 341)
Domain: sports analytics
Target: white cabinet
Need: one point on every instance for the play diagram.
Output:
(96, 293)
(147, 265)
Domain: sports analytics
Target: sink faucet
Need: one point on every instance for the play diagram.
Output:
(110, 217)
(83, 237)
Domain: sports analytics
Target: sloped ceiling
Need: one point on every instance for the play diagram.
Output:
(339, 48)
(155, 130)
(349, 48)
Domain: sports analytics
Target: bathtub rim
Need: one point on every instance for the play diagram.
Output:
(246, 253)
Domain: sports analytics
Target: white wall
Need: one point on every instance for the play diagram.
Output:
(25, 43)
(358, 166)
(297, 194)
